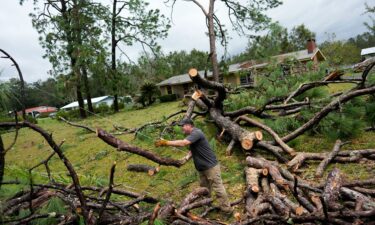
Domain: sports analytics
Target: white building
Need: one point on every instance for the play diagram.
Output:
(95, 102)
(367, 53)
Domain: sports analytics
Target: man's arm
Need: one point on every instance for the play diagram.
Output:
(178, 143)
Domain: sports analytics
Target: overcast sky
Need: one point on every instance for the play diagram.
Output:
(17, 36)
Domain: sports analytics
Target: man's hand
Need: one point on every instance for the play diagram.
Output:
(161, 142)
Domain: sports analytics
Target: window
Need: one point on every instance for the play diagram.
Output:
(169, 90)
(246, 79)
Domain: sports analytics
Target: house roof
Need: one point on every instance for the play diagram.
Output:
(180, 79)
(301, 55)
(93, 100)
(42, 109)
(367, 51)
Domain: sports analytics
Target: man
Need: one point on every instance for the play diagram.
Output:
(204, 160)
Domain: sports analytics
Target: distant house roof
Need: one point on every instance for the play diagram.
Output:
(41, 109)
(180, 79)
(93, 100)
(301, 55)
(367, 51)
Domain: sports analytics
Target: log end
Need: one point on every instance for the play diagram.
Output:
(151, 172)
(265, 172)
(237, 216)
(255, 189)
(193, 72)
(299, 210)
(247, 144)
(196, 95)
(258, 135)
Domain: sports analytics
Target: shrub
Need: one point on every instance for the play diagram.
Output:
(103, 108)
(168, 98)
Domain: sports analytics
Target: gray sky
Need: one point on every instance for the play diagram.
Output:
(17, 36)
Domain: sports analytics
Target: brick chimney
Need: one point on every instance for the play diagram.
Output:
(311, 46)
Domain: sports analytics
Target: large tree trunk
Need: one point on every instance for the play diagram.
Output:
(113, 56)
(211, 34)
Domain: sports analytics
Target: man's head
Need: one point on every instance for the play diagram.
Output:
(187, 125)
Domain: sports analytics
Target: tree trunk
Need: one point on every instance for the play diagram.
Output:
(81, 102)
(2, 160)
(87, 89)
(113, 56)
(212, 37)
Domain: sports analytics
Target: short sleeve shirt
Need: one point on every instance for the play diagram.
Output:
(203, 156)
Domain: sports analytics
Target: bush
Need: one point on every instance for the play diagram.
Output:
(103, 108)
(168, 98)
(71, 114)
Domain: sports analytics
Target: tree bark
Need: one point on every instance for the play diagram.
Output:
(143, 168)
(2, 160)
(332, 190)
(123, 146)
(326, 161)
(86, 85)
(278, 140)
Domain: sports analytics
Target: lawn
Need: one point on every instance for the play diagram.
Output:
(92, 158)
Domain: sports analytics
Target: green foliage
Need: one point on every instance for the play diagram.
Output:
(168, 98)
(148, 94)
(103, 109)
(343, 124)
(277, 41)
(283, 125)
(370, 111)
(71, 114)
(340, 52)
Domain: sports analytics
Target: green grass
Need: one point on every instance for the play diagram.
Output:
(92, 158)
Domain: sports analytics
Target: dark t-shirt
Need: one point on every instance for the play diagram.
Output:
(203, 156)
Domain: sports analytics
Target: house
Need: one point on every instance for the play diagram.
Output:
(108, 100)
(39, 111)
(244, 74)
(367, 53)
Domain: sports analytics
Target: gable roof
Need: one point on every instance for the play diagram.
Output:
(93, 100)
(180, 79)
(367, 51)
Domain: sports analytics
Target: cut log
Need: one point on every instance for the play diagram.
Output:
(246, 138)
(151, 170)
(332, 190)
(278, 140)
(272, 170)
(194, 195)
(265, 184)
(368, 203)
(326, 161)
(278, 205)
(252, 179)
(297, 209)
